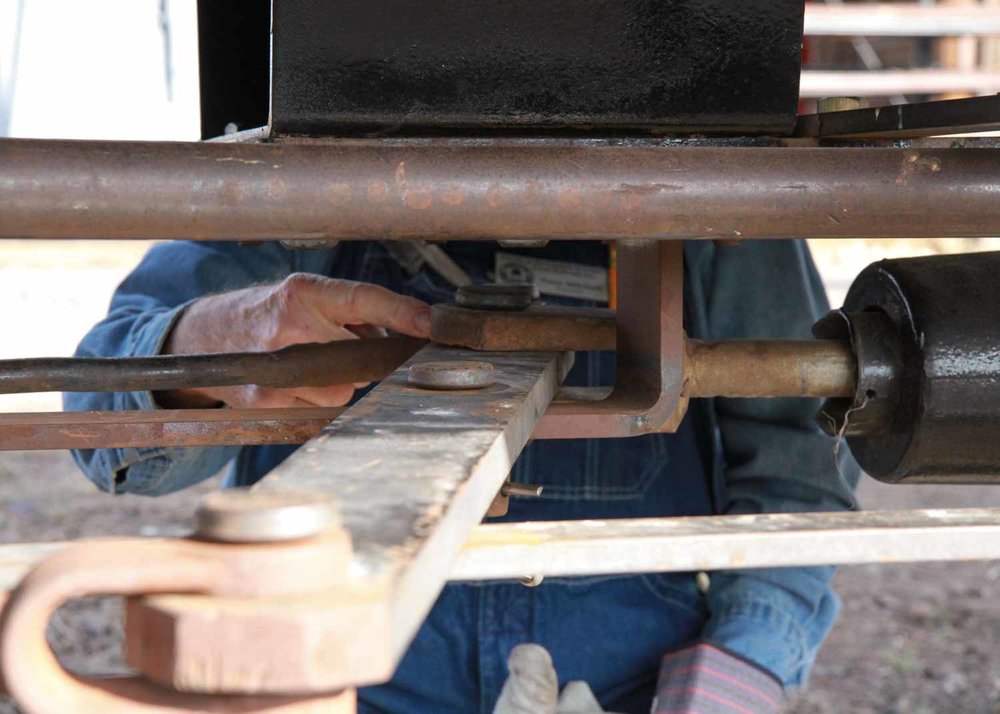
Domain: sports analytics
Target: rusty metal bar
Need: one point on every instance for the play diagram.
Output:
(450, 189)
(648, 392)
(770, 368)
(39, 431)
(312, 365)
(539, 327)
(738, 368)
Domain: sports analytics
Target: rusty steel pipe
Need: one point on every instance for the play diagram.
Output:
(770, 368)
(305, 365)
(490, 189)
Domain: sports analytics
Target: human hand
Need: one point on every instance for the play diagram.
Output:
(301, 308)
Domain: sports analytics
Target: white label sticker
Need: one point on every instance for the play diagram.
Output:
(554, 277)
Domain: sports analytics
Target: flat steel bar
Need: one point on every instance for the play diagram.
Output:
(342, 362)
(414, 471)
(39, 431)
(450, 189)
(640, 545)
(907, 121)
(562, 548)
(900, 19)
(539, 327)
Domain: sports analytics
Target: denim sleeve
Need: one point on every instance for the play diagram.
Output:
(775, 459)
(143, 309)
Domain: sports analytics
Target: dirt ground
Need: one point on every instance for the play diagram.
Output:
(913, 639)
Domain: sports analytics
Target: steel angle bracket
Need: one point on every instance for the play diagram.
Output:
(648, 394)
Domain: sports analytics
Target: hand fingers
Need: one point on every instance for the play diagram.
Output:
(350, 303)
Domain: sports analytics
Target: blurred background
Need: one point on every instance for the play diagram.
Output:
(913, 639)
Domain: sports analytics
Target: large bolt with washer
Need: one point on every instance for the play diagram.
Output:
(458, 374)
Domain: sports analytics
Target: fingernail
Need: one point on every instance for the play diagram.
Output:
(422, 320)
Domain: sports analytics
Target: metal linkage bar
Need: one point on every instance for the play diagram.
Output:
(450, 189)
(950, 116)
(641, 545)
(412, 471)
(39, 431)
(723, 542)
(739, 368)
(343, 362)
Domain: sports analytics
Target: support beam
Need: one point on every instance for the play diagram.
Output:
(450, 189)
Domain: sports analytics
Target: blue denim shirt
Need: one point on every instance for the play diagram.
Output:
(729, 456)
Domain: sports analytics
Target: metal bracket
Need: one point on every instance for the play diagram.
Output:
(647, 396)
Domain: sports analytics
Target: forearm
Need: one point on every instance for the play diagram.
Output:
(147, 471)
(144, 310)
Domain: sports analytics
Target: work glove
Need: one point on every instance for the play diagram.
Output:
(707, 679)
(533, 687)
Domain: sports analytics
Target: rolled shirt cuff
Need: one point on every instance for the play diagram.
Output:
(708, 679)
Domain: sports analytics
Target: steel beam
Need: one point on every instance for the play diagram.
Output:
(448, 189)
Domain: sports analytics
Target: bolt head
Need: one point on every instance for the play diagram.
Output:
(243, 515)
(460, 374)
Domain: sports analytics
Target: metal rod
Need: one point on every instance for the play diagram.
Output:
(770, 368)
(642, 545)
(451, 189)
(733, 368)
(344, 362)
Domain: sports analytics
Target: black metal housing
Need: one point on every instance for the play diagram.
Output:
(938, 355)
(234, 40)
(551, 66)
